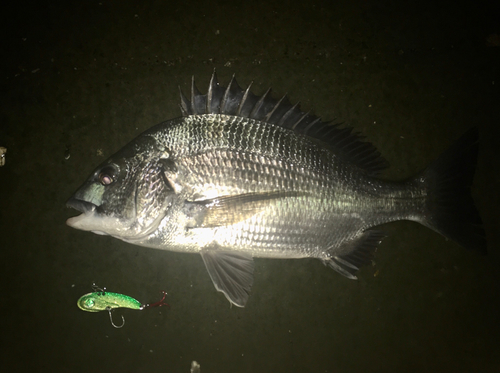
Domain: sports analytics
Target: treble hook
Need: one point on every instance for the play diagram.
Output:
(109, 309)
(160, 303)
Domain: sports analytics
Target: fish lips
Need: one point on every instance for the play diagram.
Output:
(93, 219)
(80, 205)
(81, 221)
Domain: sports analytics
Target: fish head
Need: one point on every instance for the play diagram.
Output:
(129, 194)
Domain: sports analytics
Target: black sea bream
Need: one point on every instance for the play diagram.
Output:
(240, 176)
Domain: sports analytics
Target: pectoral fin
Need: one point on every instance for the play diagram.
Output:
(228, 210)
(231, 273)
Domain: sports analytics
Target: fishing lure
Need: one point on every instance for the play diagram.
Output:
(102, 300)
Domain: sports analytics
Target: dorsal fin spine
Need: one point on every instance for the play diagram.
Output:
(299, 121)
(194, 94)
(258, 105)
(210, 93)
(225, 96)
(243, 100)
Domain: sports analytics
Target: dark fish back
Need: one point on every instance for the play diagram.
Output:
(233, 100)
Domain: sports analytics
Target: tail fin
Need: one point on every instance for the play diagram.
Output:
(449, 208)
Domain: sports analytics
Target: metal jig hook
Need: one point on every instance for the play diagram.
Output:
(109, 309)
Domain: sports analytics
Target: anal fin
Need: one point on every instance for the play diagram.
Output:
(355, 253)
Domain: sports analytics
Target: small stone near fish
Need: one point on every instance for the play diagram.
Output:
(67, 153)
(2, 155)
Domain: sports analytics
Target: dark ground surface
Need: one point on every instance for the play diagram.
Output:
(89, 76)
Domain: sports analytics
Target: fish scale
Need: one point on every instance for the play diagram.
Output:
(240, 176)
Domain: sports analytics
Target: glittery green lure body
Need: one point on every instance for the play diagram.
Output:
(102, 300)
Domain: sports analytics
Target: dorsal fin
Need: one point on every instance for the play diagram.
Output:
(233, 100)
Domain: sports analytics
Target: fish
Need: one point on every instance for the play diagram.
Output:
(240, 176)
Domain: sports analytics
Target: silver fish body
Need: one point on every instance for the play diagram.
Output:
(240, 176)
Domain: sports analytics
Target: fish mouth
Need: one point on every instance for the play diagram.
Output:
(80, 205)
(87, 210)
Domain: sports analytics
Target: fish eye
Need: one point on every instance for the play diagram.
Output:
(107, 176)
(105, 179)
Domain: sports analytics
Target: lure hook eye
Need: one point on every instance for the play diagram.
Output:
(97, 289)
